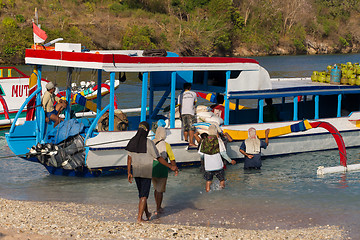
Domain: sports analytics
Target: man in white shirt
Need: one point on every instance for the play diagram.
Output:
(187, 100)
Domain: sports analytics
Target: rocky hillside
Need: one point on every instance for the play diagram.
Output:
(188, 27)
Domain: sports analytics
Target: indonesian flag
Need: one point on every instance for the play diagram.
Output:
(39, 35)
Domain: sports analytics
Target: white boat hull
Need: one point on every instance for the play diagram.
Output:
(113, 154)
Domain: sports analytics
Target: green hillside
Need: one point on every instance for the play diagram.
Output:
(188, 27)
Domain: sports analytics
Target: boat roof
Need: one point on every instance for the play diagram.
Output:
(133, 61)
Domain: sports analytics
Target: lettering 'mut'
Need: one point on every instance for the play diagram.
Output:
(20, 90)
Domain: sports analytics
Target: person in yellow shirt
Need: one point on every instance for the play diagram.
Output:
(52, 110)
(160, 172)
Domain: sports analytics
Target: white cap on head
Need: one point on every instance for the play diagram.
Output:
(50, 86)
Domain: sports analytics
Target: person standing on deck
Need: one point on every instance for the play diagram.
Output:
(141, 154)
(251, 149)
(160, 172)
(48, 100)
(187, 100)
(218, 109)
(270, 112)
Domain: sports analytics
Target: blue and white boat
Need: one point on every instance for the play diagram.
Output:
(77, 148)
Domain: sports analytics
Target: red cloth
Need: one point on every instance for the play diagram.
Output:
(219, 110)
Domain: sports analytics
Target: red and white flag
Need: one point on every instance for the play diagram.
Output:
(39, 35)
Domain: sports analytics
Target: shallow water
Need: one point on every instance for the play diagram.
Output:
(286, 193)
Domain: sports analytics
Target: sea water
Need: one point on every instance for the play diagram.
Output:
(285, 193)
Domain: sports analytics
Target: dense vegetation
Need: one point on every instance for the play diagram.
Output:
(188, 27)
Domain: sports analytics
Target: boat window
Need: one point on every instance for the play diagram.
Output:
(234, 74)
(214, 78)
(217, 78)
(2, 91)
(350, 103)
(198, 78)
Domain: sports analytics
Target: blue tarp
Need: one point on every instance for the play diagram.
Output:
(64, 130)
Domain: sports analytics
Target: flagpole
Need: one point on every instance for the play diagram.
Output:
(36, 17)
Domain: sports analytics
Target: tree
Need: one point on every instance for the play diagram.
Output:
(292, 11)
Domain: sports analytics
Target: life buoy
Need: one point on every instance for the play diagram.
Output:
(41, 47)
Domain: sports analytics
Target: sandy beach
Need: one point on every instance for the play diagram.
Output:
(57, 220)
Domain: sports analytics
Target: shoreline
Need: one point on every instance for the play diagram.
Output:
(59, 220)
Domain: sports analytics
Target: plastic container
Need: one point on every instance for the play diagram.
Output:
(344, 80)
(327, 78)
(314, 76)
(321, 77)
(357, 82)
(335, 75)
(352, 80)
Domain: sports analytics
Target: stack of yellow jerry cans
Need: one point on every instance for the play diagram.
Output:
(339, 74)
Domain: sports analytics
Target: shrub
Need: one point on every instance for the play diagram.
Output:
(20, 18)
(343, 42)
(9, 23)
(116, 8)
(299, 46)
(138, 37)
(90, 7)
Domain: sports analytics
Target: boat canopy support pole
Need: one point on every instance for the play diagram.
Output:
(160, 103)
(295, 117)
(227, 102)
(68, 92)
(143, 96)
(151, 97)
(40, 114)
(316, 107)
(172, 103)
(98, 94)
(206, 78)
(112, 101)
(94, 123)
(339, 105)
(261, 110)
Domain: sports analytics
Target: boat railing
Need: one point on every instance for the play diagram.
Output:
(22, 108)
(5, 107)
(10, 73)
(94, 123)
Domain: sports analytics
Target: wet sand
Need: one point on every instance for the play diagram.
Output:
(57, 220)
